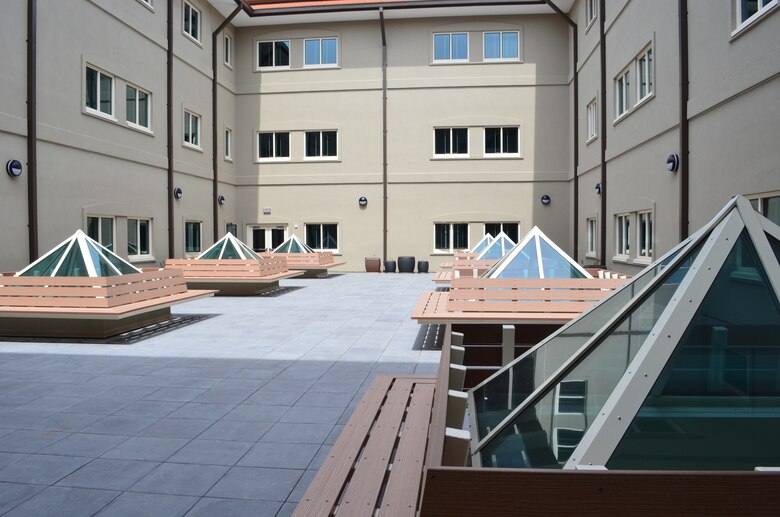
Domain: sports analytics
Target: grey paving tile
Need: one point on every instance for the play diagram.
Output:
(109, 474)
(257, 413)
(146, 448)
(297, 433)
(202, 410)
(175, 394)
(58, 501)
(335, 387)
(236, 430)
(65, 422)
(229, 395)
(124, 425)
(320, 457)
(210, 506)
(41, 469)
(287, 510)
(29, 441)
(211, 452)
(280, 455)
(275, 398)
(85, 445)
(303, 484)
(99, 405)
(132, 504)
(278, 384)
(13, 494)
(129, 392)
(9, 458)
(257, 483)
(14, 400)
(334, 434)
(149, 408)
(16, 417)
(256, 373)
(180, 479)
(313, 415)
(340, 400)
(177, 428)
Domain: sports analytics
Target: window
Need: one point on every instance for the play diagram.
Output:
(231, 228)
(644, 73)
(192, 237)
(570, 397)
(227, 51)
(191, 22)
(645, 237)
(501, 46)
(139, 237)
(99, 92)
(147, 2)
(566, 440)
(450, 237)
(191, 129)
(511, 230)
(101, 229)
(228, 144)
(138, 107)
(750, 10)
(502, 141)
(621, 94)
(451, 141)
(321, 144)
(450, 47)
(622, 235)
(320, 52)
(593, 233)
(593, 119)
(273, 54)
(273, 145)
(591, 11)
(322, 237)
(768, 206)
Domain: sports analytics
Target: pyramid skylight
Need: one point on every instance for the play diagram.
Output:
(536, 256)
(293, 245)
(498, 248)
(677, 370)
(79, 255)
(229, 247)
(482, 244)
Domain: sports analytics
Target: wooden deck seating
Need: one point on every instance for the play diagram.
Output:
(312, 264)
(234, 277)
(62, 306)
(470, 268)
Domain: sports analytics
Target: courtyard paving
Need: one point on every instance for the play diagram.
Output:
(229, 416)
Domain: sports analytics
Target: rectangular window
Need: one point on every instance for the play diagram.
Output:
(321, 144)
(191, 22)
(593, 119)
(511, 230)
(138, 107)
(228, 144)
(621, 94)
(191, 129)
(322, 237)
(147, 2)
(101, 229)
(591, 11)
(139, 237)
(645, 237)
(622, 235)
(227, 51)
(501, 46)
(570, 397)
(769, 207)
(320, 52)
(749, 10)
(502, 141)
(99, 96)
(272, 54)
(273, 145)
(450, 47)
(450, 237)
(231, 228)
(192, 237)
(593, 233)
(451, 141)
(644, 71)
(566, 440)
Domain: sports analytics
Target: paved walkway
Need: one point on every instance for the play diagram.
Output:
(228, 416)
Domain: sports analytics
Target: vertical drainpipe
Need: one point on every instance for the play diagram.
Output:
(603, 129)
(32, 126)
(169, 116)
(684, 142)
(384, 135)
(214, 116)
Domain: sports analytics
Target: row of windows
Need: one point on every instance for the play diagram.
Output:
(452, 237)
(498, 141)
(99, 99)
(139, 235)
(625, 240)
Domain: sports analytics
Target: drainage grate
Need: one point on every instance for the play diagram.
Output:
(430, 337)
(279, 291)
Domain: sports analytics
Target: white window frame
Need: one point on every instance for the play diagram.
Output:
(592, 118)
(100, 229)
(96, 111)
(592, 235)
(140, 257)
(227, 144)
(148, 4)
(321, 157)
(645, 62)
(321, 64)
(760, 202)
(501, 47)
(645, 254)
(450, 59)
(136, 125)
(591, 12)
(583, 397)
(452, 154)
(622, 85)
(227, 51)
(199, 25)
(200, 233)
(322, 233)
(451, 249)
(764, 7)
(273, 158)
(193, 116)
(622, 236)
(503, 153)
(273, 55)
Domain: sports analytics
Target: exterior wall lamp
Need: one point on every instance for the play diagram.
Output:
(672, 163)
(362, 202)
(178, 193)
(221, 200)
(14, 168)
(546, 200)
(598, 189)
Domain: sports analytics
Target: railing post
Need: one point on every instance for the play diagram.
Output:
(507, 344)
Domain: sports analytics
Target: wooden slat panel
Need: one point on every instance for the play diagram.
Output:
(54, 291)
(439, 414)
(528, 307)
(404, 484)
(529, 294)
(527, 283)
(63, 281)
(49, 301)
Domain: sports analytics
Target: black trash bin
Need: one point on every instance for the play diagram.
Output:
(422, 266)
(389, 266)
(406, 264)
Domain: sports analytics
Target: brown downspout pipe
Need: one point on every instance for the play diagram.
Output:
(32, 128)
(384, 135)
(603, 129)
(214, 115)
(684, 142)
(169, 116)
(576, 136)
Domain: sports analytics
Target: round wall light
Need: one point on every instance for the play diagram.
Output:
(14, 168)
(178, 193)
(598, 188)
(221, 200)
(546, 200)
(672, 163)
(363, 202)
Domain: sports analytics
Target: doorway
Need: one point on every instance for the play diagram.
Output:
(266, 237)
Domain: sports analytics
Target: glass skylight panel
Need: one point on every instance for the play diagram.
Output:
(45, 265)
(555, 265)
(482, 244)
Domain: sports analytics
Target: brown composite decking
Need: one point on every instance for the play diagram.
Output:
(442, 277)
(234, 276)
(312, 264)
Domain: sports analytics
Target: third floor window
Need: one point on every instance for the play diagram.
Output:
(450, 47)
(320, 52)
(273, 54)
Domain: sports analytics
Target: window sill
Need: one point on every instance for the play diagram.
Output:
(623, 259)
(320, 67)
(591, 139)
(644, 100)
(454, 62)
(501, 156)
(138, 259)
(320, 160)
(100, 115)
(499, 61)
(439, 253)
(591, 23)
(148, 6)
(621, 117)
(753, 21)
(192, 147)
(272, 68)
(273, 160)
(591, 255)
(189, 37)
(644, 261)
(449, 157)
(228, 159)
(140, 129)
(227, 65)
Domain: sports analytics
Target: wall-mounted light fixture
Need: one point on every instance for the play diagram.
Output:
(672, 163)
(178, 193)
(598, 188)
(363, 202)
(14, 168)
(221, 200)
(546, 200)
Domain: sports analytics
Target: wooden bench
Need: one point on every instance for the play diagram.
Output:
(88, 306)
(311, 264)
(234, 277)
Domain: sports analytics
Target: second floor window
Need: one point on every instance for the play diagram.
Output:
(502, 141)
(502, 46)
(191, 22)
(450, 47)
(621, 94)
(321, 144)
(273, 54)
(99, 92)
(227, 51)
(273, 145)
(192, 237)
(139, 237)
(451, 141)
(228, 144)
(320, 52)
(591, 11)
(622, 235)
(644, 73)
(137, 104)
(450, 237)
(593, 119)
(101, 229)
(192, 129)
(645, 237)
(592, 236)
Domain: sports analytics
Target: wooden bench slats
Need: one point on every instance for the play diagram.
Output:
(527, 294)
(44, 300)
(442, 277)
(533, 283)
(527, 307)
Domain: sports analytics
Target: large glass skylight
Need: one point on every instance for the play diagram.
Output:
(536, 256)
(482, 244)
(293, 245)
(229, 247)
(498, 248)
